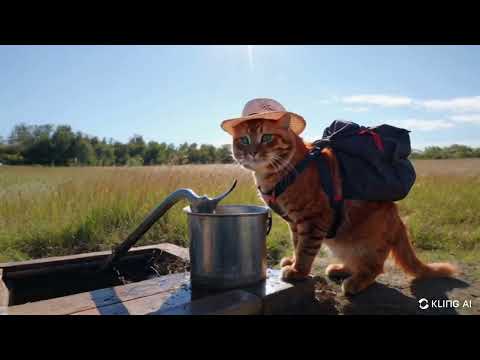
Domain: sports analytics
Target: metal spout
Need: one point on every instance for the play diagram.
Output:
(198, 204)
(205, 204)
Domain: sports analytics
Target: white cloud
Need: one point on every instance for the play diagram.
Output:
(357, 109)
(460, 104)
(424, 125)
(463, 104)
(470, 118)
(382, 100)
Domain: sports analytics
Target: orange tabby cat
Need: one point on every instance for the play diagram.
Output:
(369, 230)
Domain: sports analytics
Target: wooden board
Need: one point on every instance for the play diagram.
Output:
(143, 305)
(101, 298)
(181, 252)
(31, 267)
(177, 302)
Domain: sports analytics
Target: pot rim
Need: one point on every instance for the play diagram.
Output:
(261, 210)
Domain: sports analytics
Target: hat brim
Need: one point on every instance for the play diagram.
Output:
(297, 123)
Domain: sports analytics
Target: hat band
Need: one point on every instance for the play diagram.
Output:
(255, 113)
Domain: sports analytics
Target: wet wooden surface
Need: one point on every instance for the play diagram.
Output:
(173, 295)
(101, 298)
(235, 302)
(164, 295)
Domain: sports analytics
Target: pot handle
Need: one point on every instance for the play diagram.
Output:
(269, 222)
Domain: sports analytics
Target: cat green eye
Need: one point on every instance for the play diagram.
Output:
(245, 140)
(267, 138)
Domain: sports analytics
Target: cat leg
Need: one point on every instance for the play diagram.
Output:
(309, 241)
(359, 282)
(337, 271)
(367, 266)
(291, 259)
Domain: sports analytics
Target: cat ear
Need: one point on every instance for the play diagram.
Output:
(284, 121)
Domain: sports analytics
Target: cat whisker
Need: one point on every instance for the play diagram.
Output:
(283, 165)
(273, 164)
(276, 164)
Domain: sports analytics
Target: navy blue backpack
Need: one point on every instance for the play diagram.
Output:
(373, 161)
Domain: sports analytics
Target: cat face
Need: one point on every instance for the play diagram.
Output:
(263, 145)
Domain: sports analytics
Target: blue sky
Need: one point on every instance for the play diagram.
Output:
(182, 93)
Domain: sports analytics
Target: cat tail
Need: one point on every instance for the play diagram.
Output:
(405, 257)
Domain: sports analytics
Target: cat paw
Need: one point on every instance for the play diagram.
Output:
(352, 286)
(289, 273)
(286, 261)
(337, 271)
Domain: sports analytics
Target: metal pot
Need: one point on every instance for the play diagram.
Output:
(228, 247)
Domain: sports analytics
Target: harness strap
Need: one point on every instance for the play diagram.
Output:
(335, 198)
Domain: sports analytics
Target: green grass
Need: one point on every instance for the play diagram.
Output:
(443, 213)
(58, 211)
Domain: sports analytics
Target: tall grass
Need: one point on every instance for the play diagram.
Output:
(58, 211)
(443, 213)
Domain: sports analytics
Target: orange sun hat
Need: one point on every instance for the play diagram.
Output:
(268, 109)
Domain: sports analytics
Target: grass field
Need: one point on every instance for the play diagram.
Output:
(57, 211)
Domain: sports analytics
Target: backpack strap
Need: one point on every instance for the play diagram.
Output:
(336, 202)
(336, 199)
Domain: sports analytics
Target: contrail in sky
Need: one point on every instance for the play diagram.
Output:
(250, 56)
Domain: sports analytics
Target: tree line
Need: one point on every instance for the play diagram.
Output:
(61, 146)
(447, 152)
